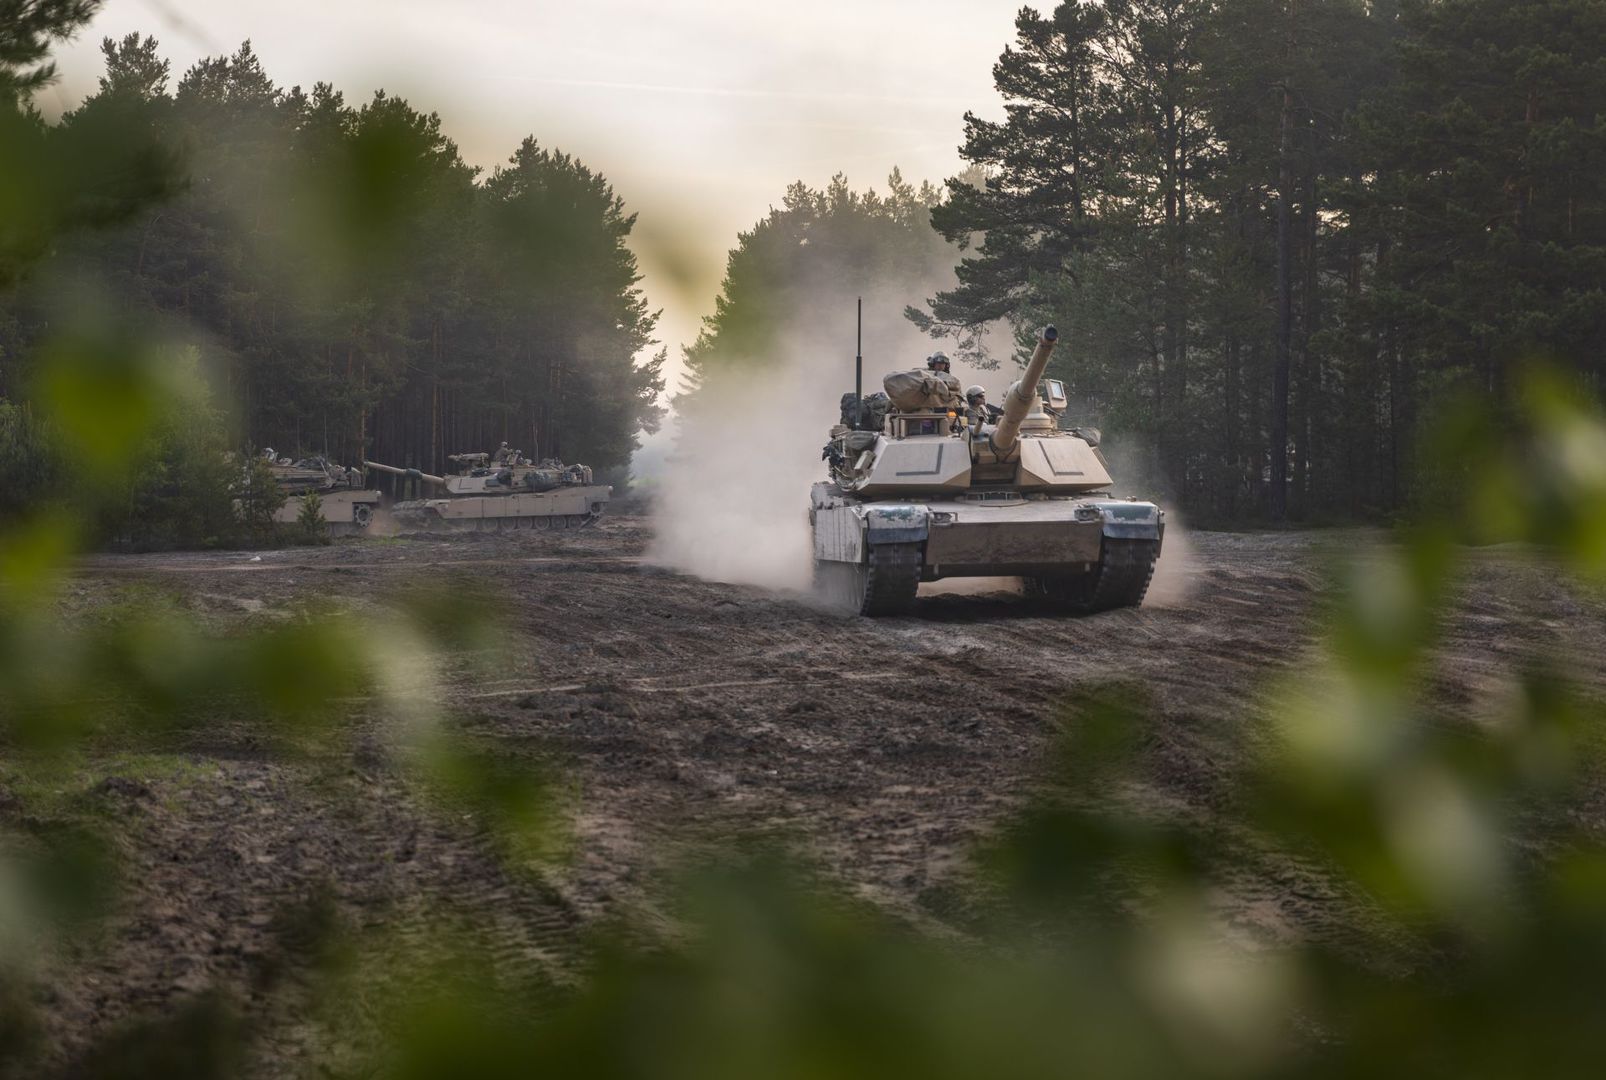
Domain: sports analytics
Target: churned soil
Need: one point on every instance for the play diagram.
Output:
(677, 711)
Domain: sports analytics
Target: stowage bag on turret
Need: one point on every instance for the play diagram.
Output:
(911, 391)
(864, 414)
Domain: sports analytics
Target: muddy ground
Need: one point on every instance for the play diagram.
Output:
(679, 710)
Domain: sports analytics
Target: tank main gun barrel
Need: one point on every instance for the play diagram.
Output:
(1021, 396)
(411, 474)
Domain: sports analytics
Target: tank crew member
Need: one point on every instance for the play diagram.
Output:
(977, 410)
(938, 361)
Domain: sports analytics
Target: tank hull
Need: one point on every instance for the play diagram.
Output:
(565, 507)
(347, 513)
(1083, 553)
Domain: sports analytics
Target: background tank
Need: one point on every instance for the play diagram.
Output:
(503, 490)
(342, 500)
(924, 495)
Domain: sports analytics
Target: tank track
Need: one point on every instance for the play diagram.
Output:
(892, 578)
(885, 585)
(1121, 579)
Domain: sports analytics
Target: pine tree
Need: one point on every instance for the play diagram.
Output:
(799, 270)
(134, 68)
(1491, 184)
(352, 287)
(28, 28)
(1047, 168)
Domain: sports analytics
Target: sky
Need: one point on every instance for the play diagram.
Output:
(699, 112)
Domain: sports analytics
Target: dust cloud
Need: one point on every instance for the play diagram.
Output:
(732, 501)
(384, 523)
(1176, 575)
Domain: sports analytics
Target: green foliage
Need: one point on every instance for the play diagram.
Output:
(1275, 234)
(310, 519)
(1466, 884)
(346, 276)
(153, 459)
(28, 28)
(30, 470)
(799, 271)
(257, 495)
(136, 446)
(1492, 190)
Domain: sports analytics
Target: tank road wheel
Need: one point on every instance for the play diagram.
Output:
(540, 523)
(1120, 579)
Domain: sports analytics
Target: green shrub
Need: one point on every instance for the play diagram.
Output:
(310, 520)
(31, 470)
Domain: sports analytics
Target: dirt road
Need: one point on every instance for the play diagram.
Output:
(681, 709)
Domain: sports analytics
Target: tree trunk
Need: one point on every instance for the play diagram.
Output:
(1171, 340)
(1285, 316)
(1229, 424)
(1312, 399)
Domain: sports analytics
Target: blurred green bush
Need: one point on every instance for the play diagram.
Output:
(31, 474)
(1463, 867)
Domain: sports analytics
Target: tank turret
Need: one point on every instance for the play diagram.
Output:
(503, 490)
(925, 495)
(316, 473)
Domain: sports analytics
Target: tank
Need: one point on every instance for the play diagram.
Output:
(921, 491)
(347, 507)
(503, 490)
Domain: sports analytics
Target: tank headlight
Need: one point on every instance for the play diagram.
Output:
(942, 517)
(1087, 513)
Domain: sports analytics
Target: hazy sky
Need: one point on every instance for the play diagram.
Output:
(699, 112)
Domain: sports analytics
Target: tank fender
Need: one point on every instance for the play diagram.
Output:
(895, 524)
(1126, 520)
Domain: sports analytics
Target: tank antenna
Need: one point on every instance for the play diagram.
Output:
(858, 354)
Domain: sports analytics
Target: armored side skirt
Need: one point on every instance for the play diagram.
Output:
(560, 508)
(345, 512)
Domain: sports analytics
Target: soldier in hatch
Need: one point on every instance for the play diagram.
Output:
(977, 410)
(938, 362)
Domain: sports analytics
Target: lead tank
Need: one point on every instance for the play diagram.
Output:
(504, 490)
(923, 495)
